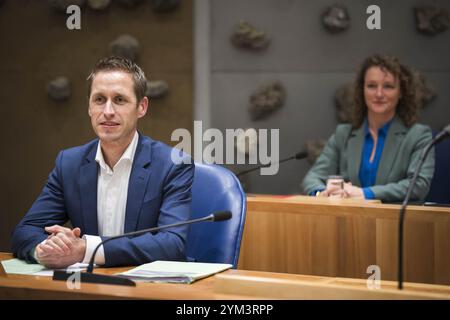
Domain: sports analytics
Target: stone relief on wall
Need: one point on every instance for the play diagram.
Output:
(125, 46)
(314, 149)
(246, 36)
(431, 20)
(266, 99)
(247, 141)
(98, 5)
(128, 3)
(61, 5)
(425, 92)
(343, 99)
(336, 18)
(165, 6)
(160, 6)
(156, 89)
(58, 89)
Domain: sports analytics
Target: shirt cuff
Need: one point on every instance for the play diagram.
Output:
(313, 193)
(91, 243)
(34, 255)
(33, 251)
(368, 193)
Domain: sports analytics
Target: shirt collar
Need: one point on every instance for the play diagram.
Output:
(127, 155)
(382, 131)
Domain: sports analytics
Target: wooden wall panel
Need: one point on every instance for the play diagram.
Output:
(37, 46)
(305, 235)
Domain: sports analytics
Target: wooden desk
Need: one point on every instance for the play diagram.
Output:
(40, 287)
(231, 284)
(341, 238)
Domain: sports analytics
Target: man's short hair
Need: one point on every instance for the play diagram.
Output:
(125, 65)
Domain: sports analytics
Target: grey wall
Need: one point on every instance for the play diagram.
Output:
(312, 64)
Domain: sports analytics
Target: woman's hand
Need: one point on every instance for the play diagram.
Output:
(351, 191)
(333, 191)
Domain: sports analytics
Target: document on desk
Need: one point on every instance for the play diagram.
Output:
(16, 266)
(174, 271)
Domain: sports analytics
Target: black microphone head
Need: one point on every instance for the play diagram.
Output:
(221, 216)
(444, 134)
(301, 155)
(447, 129)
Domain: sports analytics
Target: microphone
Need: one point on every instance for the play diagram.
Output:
(220, 216)
(298, 156)
(445, 133)
(89, 276)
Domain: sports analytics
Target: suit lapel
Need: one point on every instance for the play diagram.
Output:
(140, 173)
(355, 144)
(88, 192)
(395, 136)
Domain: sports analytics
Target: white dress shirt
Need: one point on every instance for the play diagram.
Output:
(112, 193)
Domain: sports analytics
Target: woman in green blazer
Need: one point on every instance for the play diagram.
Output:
(378, 153)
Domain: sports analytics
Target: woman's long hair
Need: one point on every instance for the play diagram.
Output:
(407, 108)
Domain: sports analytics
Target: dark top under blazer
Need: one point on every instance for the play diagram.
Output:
(159, 193)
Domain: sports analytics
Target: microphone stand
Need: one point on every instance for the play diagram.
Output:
(298, 156)
(439, 137)
(91, 277)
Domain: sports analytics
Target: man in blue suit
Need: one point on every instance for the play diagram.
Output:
(120, 182)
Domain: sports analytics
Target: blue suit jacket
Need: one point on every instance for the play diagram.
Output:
(159, 193)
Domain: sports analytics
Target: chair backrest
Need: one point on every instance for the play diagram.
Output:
(216, 188)
(440, 184)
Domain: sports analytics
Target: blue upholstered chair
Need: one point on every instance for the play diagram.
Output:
(440, 184)
(216, 189)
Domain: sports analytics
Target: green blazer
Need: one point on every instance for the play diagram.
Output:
(401, 153)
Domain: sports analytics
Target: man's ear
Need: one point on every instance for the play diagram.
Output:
(143, 107)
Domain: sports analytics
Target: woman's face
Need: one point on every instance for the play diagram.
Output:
(381, 92)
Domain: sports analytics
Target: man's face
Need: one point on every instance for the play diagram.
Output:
(113, 107)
